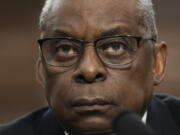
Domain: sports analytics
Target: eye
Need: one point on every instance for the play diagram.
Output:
(113, 48)
(66, 50)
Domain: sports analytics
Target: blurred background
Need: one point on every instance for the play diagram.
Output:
(19, 91)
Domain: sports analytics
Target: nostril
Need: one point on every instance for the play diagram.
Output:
(99, 76)
(80, 78)
(87, 78)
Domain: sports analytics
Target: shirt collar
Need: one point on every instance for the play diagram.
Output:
(144, 117)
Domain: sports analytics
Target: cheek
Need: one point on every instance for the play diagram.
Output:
(141, 78)
(58, 89)
(134, 87)
(132, 93)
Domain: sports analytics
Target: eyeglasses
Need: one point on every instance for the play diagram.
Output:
(114, 51)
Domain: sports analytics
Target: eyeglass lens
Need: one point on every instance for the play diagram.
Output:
(112, 51)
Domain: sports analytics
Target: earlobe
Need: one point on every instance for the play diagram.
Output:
(40, 73)
(160, 60)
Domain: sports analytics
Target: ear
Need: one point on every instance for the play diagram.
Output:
(40, 77)
(160, 57)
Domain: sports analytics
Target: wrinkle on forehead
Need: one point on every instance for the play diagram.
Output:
(86, 17)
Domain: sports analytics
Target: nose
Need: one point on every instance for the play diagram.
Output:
(90, 68)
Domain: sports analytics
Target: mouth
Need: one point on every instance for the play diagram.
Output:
(89, 105)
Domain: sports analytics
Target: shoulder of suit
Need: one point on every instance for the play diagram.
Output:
(25, 124)
(172, 103)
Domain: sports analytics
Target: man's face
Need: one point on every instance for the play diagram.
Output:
(88, 95)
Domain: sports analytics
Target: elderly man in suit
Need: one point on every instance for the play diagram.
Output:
(98, 58)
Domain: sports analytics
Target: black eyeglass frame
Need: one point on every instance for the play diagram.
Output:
(94, 43)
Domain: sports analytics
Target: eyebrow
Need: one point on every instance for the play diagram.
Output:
(62, 33)
(111, 32)
(115, 31)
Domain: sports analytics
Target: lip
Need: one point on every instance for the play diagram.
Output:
(91, 105)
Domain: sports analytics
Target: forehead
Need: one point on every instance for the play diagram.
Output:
(90, 18)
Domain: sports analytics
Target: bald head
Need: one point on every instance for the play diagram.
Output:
(145, 15)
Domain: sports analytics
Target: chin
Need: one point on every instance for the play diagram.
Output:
(92, 125)
(98, 132)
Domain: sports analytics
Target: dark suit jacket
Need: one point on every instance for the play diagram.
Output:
(163, 117)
